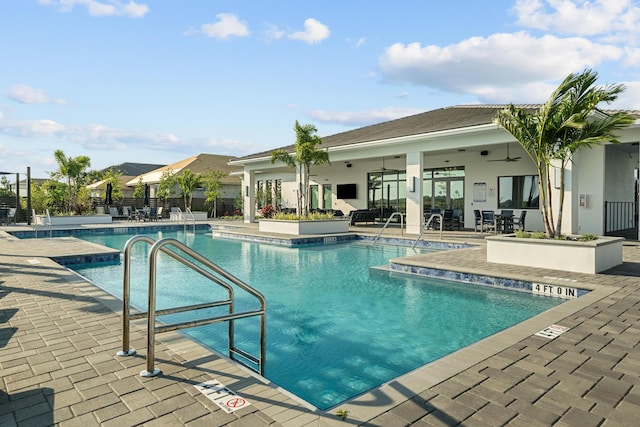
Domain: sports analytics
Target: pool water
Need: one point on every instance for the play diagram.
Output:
(335, 328)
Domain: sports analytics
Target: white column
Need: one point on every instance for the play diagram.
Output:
(415, 204)
(249, 196)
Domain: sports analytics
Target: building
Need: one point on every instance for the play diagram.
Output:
(455, 158)
(202, 164)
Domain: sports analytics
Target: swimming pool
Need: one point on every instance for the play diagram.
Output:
(335, 328)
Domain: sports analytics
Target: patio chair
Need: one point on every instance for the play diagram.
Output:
(159, 214)
(11, 216)
(519, 221)
(447, 219)
(4, 214)
(153, 214)
(126, 212)
(488, 221)
(478, 219)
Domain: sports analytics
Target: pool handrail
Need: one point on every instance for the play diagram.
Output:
(159, 246)
(46, 222)
(426, 225)
(387, 223)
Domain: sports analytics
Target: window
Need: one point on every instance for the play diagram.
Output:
(326, 196)
(518, 192)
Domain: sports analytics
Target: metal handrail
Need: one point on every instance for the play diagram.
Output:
(387, 223)
(45, 223)
(426, 225)
(183, 216)
(219, 278)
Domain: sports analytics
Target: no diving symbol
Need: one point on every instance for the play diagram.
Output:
(225, 398)
(236, 403)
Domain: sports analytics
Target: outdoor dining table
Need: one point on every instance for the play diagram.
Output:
(503, 223)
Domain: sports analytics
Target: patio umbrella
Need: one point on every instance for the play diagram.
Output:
(107, 198)
(146, 194)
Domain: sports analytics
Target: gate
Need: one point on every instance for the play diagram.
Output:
(621, 219)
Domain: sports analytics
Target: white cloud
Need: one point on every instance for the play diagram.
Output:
(363, 118)
(28, 95)
(314, 32)
(273, 32)
(627, 100)
(610, 18)
(129, 9)
(100, 137)
(499, 68)
(228, 25)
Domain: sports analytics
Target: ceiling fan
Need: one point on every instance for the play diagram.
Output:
(508, 158)
(383, 169)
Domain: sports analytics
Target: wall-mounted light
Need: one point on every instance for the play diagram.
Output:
(411, 184)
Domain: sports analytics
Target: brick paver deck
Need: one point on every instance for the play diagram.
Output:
(59, 335)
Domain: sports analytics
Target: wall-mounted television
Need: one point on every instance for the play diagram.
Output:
(346, 191)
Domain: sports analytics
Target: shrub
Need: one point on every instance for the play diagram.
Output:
(587, 237)
(311, 217)
(267, 211)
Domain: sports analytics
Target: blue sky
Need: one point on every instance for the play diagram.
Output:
(153, 81)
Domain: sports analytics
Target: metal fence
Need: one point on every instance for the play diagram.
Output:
(621, 219)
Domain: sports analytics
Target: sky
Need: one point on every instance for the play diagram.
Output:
(157, 81)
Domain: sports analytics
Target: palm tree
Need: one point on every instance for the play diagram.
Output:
(71, 168)
(188, 182)
(306, 154)
(568, 121)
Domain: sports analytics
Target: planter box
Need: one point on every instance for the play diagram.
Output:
(73, 219)
(330, 226)
(178, 216)
(580, 257)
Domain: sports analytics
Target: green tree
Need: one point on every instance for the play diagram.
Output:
(71, 168)
(138, 190)
(188, 182)
(212, 183)
(306, 154)
(5, 187)
(166, 185)
(568, 121)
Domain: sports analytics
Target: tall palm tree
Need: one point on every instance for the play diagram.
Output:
(568, 121)
(306, 154)
(71, 168)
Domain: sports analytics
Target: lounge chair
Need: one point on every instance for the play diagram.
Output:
(153, 214)
(113, 211)
(159, 214)
(363, 215)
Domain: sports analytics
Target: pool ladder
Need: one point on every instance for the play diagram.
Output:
(183, 216)
(426, 226)
(211, 272)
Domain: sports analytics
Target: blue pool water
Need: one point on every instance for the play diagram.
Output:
(335, 328)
